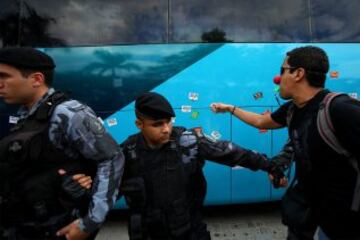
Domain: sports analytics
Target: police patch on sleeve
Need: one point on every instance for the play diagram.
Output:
(95, 126)
(15, 146)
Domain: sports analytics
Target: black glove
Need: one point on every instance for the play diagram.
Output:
(277, 172)
(73, 189)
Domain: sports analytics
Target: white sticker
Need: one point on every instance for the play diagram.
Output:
(112, 122)
(13, 120)
(216, 135)
(193, 96)
(186, 108)
(353, 95)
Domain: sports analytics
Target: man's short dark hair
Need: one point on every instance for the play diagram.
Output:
(48, 74)
(315, 62)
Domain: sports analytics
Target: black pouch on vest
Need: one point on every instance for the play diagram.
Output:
(156, 224)
(134, 192)
(179, 218)
(295, 208)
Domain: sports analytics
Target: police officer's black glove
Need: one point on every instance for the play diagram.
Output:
(73, 189)
(277, 172)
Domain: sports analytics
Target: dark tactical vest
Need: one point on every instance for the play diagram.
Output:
(163, 188)
(30, 186)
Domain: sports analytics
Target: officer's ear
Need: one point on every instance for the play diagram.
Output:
(139, 124)
(37, 79)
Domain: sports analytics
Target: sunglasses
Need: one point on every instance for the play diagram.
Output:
(282, 69)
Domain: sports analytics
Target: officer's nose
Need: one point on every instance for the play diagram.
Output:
(166, 127)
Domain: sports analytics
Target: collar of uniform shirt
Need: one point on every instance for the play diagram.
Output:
(23, 112)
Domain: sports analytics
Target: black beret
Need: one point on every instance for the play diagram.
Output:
(154, 105)
(26, 58)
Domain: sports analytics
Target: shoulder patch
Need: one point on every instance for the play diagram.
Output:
(96, 126)
(187, 139)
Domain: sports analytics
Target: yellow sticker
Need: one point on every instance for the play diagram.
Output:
(195, 114)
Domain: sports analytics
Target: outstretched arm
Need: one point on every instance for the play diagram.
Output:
(230, 154)
(254, 119)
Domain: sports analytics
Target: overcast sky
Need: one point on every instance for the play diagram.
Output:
(123, 21)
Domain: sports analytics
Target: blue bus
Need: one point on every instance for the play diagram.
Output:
(194, 53)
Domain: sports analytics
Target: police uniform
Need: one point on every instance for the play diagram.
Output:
(56, 133)
(165, 187)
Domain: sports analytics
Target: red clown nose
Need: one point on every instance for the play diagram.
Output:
(277, 80)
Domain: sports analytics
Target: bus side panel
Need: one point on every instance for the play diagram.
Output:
(278, 138)
(247, 185)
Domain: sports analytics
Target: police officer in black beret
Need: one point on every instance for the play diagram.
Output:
(54, 135)
(163, 184)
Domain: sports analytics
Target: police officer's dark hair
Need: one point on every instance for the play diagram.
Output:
(315, 62)
(139, 115)
(48, 74)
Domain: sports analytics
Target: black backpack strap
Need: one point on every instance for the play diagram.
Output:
(290, 113)
(175, 140)
(134, 163)
(326, 127)
(327, 133)
(355, 205)
(46, 109)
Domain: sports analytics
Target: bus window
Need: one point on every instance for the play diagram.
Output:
(272, 21)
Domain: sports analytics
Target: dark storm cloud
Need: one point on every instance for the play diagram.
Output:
(336, 20)
(105, 22)
(254, 20)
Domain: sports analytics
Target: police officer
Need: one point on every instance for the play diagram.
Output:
(53, 132)
(164, 185)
